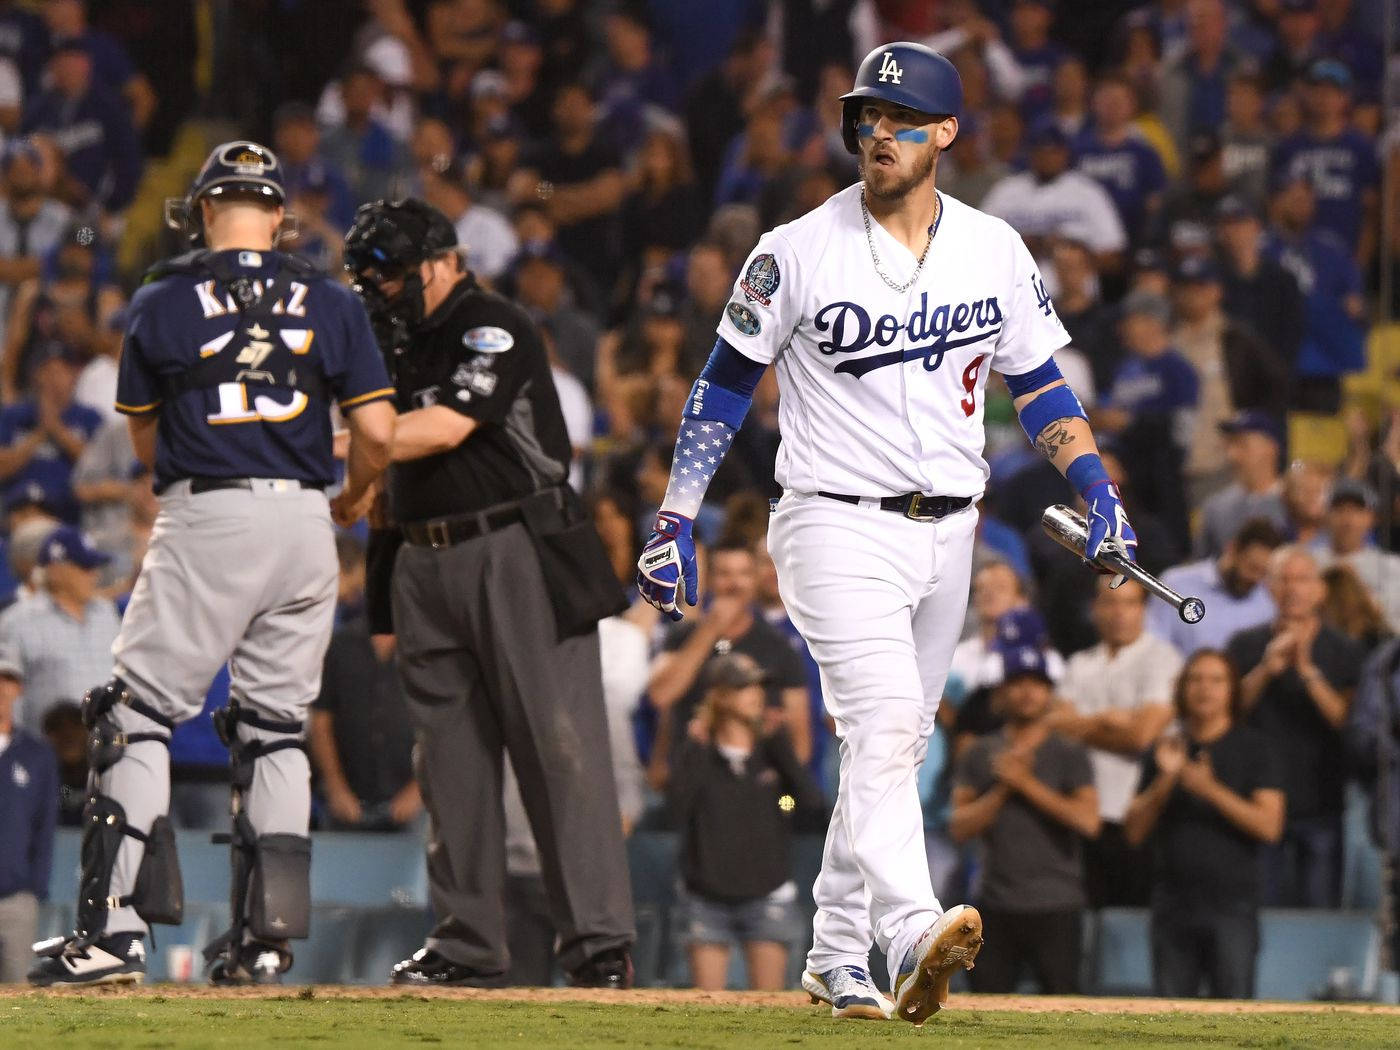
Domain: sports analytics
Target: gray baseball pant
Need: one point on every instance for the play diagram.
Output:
(237, 576)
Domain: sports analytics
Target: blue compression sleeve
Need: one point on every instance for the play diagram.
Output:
(713, 414)
(1056, 403)
(1027, 382)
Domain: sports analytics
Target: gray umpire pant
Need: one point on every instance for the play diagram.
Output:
(243, 576)
(484, 673)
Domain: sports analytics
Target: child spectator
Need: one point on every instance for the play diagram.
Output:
(733, 790)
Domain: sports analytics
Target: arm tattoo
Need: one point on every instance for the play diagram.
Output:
(1055, 437)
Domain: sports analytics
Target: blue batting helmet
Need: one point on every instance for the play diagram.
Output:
(906, 74)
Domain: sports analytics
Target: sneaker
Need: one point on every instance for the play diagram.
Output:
(608, 969)
(849, 991)
(118, 959)
(921, 988)
(253, 963)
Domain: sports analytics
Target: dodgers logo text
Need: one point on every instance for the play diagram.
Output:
(852, 330)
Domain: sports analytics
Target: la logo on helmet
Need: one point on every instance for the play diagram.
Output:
(889, 69)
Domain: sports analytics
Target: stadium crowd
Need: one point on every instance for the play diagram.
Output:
(1201, 182)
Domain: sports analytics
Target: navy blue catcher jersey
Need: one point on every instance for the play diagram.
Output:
(240, 429)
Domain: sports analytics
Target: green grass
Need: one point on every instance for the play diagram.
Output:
(103, 1022)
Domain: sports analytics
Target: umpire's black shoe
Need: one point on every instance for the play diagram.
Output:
(252, 963)
(433, 969)
(607, 969)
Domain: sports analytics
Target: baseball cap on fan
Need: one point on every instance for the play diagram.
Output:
(68, 544)
(733, 671)
(1253, 421)
(1020, 641)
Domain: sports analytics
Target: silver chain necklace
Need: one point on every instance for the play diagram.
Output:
(875, 256)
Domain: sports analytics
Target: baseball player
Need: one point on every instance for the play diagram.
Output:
(232, 358)
(884, 310)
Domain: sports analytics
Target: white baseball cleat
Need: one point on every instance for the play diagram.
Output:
(921, 988)
(849, 991)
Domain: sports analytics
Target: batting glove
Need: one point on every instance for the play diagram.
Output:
(1108, 524)
(667, 561)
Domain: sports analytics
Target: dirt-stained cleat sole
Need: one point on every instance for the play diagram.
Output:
(952, 942)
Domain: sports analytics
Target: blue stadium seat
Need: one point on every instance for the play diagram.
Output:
(368, 869)
(1361, 861)
(1299, 950)
(1122, 955)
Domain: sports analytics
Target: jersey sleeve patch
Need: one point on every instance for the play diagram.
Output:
(742, 318)
(761, 279)
(488, 339)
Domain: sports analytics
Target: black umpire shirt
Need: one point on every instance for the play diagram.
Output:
(480, 355)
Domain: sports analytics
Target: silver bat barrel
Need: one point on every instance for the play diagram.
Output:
(1067, 527)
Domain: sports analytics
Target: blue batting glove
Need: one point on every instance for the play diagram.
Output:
(667, 561)
(1108, 524)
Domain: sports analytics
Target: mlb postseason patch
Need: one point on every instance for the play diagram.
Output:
(761, 280)
(742, 318)
(488, 339)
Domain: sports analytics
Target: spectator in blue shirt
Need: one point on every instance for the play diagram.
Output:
(28, 813)
(1149, 407)
(1231, 585)
(91, 129)
(1336, 159)
(297, 140)
(375, 163)
(1113, 153)
(111, 65)
(42, 436)
(1154, 380)
(1036, 54)
(635, 79)
(1334, 338)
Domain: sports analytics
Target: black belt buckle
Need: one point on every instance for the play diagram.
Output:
(439, 534)
(914, 507)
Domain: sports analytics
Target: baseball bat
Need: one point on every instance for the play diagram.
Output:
(1067, 527)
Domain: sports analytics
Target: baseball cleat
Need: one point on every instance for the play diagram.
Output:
(849, 991)
(118, 959)
(921, 988)
(252, 963)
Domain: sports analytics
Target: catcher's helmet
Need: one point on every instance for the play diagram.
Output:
(240, 168)
(906, 74)
(387, 242)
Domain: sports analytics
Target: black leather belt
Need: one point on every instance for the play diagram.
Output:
(913, 505)
(198, 485)
(445, 532)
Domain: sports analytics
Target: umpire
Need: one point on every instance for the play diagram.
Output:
(496, 593)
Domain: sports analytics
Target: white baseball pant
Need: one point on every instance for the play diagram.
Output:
(880, 600)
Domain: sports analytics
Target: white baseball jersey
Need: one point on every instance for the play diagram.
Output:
(882, 392)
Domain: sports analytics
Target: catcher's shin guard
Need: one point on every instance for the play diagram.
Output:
(270, 888)
(158, 895)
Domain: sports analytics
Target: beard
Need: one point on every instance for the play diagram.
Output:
(889, 187)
